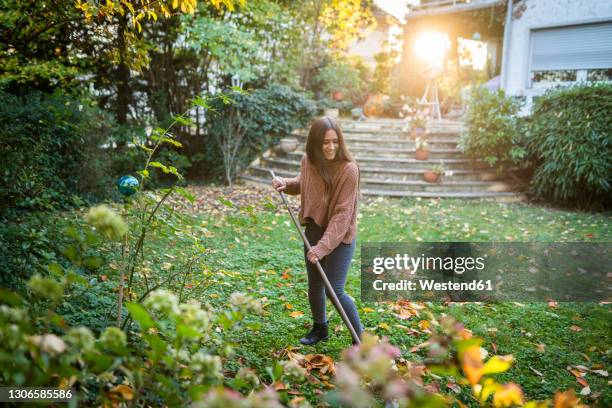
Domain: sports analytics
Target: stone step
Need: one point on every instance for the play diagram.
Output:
(400, 162)
(377, 183)
(400, 141)
(430, 191)
(293, 168)
(387, 152)
(380, 133)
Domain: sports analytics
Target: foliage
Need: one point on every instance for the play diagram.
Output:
(139, 10)
(493, 133)
(345, 76)
(421, 143)
(50, 144)
(254, 122)
(174, 340)
(569, 139)
(386, 62)
(345, 20)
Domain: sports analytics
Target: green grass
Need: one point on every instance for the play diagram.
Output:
(261, 254)
(252, 253)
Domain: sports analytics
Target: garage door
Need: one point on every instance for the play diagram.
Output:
(587, 46)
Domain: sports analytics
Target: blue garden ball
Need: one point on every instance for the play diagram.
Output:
(127, 185)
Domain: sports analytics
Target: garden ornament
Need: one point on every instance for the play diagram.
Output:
(127, 185)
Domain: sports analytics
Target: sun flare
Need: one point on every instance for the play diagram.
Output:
(431, 47)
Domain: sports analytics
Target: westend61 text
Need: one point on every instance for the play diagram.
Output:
(427, 285)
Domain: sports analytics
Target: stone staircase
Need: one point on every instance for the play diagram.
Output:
(385, 155)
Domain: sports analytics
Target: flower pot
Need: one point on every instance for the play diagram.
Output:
(421, 154)
(416, 133)
(337, 95)
(332, 113)
(431, 176)
(288, 144)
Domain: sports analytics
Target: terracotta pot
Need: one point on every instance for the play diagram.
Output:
(333, 113)
(416, 133)
(288, 144)
(374, 106)
(430, 176)
(421, 154)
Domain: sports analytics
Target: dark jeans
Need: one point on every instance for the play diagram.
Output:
(336, 266)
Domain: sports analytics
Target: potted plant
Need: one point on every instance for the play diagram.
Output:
(288, 144)
(417, 124)
(433, 175)
(422, 149)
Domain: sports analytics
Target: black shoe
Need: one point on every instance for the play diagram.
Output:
(318, 333)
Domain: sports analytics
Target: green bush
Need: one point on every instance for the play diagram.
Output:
(50, 150)
(254, 121)
(493, 131)
(571, 143)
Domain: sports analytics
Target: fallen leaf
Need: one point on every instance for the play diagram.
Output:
(566, 399)
(296, 314)
(424, 325)
(122, 391)
(575, 328)
(536, 371)
(288, 306)
(453, 387)
(367, 310)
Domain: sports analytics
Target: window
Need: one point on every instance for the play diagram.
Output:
(570, 53)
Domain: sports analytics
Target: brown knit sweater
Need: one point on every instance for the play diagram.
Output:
(338, 217)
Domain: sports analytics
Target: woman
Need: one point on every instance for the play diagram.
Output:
(328, 185)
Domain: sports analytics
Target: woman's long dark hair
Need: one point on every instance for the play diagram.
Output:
(314, 149)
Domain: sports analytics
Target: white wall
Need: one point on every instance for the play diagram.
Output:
(540, 14)
(371, 45)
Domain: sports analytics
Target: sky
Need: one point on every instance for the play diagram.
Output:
(396, 8)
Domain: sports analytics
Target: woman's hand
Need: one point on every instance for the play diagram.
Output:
(312, 258)
(279, 184)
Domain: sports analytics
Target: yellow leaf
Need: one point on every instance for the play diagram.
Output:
(175, 4)
(123, 391)
(288, 306)
(384, 326)
(509, 395)
(367, 310)
(424, 325)
(497, 364)
(296, 314)
(472, 364)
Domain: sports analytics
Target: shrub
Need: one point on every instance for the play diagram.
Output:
(493, 132)
(50, 150)
(350, 77)
(571, 143)
(252, 123)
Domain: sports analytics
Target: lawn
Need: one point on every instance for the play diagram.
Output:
(254, 248)
(244, 240)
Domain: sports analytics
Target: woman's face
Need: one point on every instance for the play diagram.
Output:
(330, 144)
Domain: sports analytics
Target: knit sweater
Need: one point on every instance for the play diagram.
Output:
(338, 217)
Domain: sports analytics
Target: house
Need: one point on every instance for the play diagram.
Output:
(555, 42)
(373, 41)
(532, 44)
